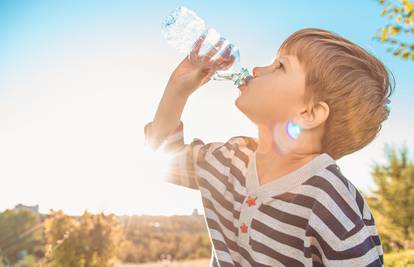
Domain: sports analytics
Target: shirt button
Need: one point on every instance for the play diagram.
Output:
(243, 228)
(251, 201)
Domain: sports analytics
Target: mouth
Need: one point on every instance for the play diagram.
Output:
(243, 86)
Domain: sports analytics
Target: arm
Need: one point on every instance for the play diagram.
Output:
(167, 128)
(183, 165)
(167, 117)
(185, 79)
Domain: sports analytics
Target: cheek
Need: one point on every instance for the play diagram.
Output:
(284, 95)
(268, 101)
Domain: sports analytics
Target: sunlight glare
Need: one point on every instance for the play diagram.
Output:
(158, 163)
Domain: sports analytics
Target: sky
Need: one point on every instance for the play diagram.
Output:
(80, 79)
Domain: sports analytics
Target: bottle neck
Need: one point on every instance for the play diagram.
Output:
(242, 77)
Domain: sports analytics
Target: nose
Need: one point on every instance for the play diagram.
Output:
(256, 71)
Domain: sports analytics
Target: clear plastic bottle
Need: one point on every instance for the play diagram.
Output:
(182, 27)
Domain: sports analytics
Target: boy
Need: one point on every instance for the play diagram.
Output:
(280, 199)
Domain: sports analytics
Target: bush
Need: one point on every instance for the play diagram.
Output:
(402, 258)
(92, 240)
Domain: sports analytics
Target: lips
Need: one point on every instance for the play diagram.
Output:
(243, 86)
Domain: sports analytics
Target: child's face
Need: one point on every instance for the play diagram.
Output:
(276, 93)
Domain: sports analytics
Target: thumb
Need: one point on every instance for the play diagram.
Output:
(207, 75)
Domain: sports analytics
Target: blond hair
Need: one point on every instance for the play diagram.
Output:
(355, 85)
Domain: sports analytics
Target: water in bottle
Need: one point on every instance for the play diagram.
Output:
(182, 27)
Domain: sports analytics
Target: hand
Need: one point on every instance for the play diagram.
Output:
(195, 70)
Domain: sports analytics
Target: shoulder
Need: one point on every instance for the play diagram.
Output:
(352, 193)
(233, 149)
(339, 203)
(240, 147)
(224, 150)
(243, 141)
(340, 222)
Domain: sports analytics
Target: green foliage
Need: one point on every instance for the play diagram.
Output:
(399, 259)
(20, 234)
(90, 241)
(392, 204)
(401, 13)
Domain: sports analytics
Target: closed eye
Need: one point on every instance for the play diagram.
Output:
(281, 66)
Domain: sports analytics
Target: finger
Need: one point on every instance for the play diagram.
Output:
(215, 48)
(224, 56)
(209, 75)
(228, 55)
(227, 51)
(196, 47)
(220, 66)
(198, 43)
(220, 57)
(231, 59)
(225, 64)
(192, 57)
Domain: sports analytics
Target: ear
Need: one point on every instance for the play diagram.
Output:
(313, 115)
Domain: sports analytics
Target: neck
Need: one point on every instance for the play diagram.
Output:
(277, 153)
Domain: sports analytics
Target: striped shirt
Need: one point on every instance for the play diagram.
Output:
(313, 216)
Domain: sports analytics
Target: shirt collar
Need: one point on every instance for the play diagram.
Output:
(288, 181)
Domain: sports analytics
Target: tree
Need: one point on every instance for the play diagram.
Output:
(402, 15)
(393, 202)
(91, 241)
(20, 234)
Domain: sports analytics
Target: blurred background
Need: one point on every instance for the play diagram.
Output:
(80, 79)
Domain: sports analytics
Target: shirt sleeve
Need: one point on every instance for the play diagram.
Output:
(183, 158)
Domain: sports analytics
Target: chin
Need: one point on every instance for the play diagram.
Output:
(243, 109)
(238, 104)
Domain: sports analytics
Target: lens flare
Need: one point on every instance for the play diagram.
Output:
(157, 163)
(293, 130)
